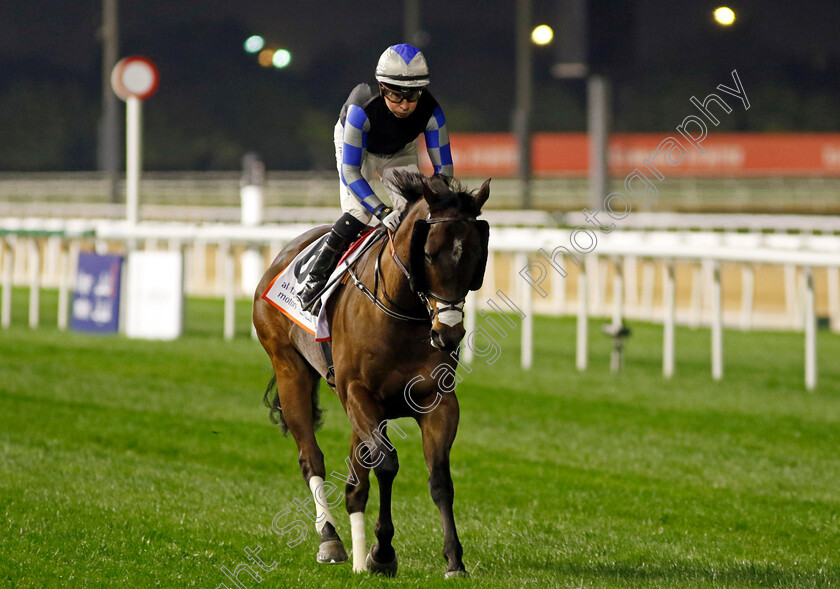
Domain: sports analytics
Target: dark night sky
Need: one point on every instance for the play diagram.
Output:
(64, 31)
(470, 49)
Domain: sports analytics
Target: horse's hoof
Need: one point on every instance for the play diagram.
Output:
(332, 552)
(377, 568)
(456, 575)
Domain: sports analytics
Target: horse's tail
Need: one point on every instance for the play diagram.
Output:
(276, 411)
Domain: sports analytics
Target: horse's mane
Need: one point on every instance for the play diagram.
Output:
(450, 191)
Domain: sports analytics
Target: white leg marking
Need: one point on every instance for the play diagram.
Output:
(357, 526)
(316, 485)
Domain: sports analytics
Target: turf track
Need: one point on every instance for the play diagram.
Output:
(138, 464)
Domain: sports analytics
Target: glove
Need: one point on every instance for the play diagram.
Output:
(388, 217)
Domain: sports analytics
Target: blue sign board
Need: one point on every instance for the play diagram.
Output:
(96, 296)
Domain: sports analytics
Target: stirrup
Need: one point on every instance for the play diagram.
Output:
(313, 307)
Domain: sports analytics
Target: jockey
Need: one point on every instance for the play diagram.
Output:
(376, 133)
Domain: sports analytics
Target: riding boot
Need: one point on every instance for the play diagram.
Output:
(328, 257)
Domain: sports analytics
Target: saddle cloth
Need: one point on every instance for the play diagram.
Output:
(282, 291)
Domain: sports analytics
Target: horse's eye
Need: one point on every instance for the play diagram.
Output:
(429, 258)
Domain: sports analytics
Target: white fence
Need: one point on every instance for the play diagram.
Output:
(624, 250)
(283, 188)
(43, 251)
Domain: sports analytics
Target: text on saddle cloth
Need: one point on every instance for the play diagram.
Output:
(282, 291)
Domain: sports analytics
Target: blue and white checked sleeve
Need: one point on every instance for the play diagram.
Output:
(437, 144)
(356, 129)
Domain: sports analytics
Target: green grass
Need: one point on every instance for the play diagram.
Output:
(132, 463)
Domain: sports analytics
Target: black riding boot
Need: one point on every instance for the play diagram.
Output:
(328, 257)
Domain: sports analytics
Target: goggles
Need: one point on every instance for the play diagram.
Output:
(397, 95)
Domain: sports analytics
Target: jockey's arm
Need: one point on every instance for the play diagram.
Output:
(437, 144)
(356, 129)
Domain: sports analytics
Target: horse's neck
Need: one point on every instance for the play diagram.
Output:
(395, 281)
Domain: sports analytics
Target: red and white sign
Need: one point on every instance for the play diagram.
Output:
(134, 77)
(724, 154)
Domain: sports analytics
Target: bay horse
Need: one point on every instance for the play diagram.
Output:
(395, 345)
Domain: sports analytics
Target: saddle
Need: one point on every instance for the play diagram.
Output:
(282, 290)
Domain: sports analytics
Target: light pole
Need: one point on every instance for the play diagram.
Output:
(412, 27)
(585, 51)
(524, 90)
(598, 125)
(108, 152)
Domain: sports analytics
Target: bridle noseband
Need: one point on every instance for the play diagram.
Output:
(424, 295)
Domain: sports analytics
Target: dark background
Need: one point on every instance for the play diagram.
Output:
(215, 102)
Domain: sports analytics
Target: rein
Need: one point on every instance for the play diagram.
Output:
(424, 296)
(373, 295)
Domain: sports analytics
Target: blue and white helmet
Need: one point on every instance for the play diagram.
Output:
(403, 65)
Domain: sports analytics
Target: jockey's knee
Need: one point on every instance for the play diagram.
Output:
(348, 226)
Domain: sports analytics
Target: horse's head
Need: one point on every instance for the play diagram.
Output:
(448, 255)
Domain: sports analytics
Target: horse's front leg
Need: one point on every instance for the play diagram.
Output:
(439, 427)
(383, 558)
(375, 451)
(356, 498)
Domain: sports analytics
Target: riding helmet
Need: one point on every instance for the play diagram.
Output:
(404, 66)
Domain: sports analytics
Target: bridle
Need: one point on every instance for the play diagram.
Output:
(426, 296)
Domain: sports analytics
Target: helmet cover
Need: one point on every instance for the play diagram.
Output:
(404, 66)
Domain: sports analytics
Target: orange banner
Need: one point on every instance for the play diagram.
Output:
(724, 154)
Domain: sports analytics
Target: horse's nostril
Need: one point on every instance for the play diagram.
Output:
(437, 340)
(446, 340)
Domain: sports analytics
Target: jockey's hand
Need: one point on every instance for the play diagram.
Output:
(388, 217)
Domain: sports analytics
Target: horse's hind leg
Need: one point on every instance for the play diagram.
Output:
(295, 382)
(438, 428)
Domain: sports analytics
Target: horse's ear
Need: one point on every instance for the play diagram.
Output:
(483, 194)
(430, 195)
